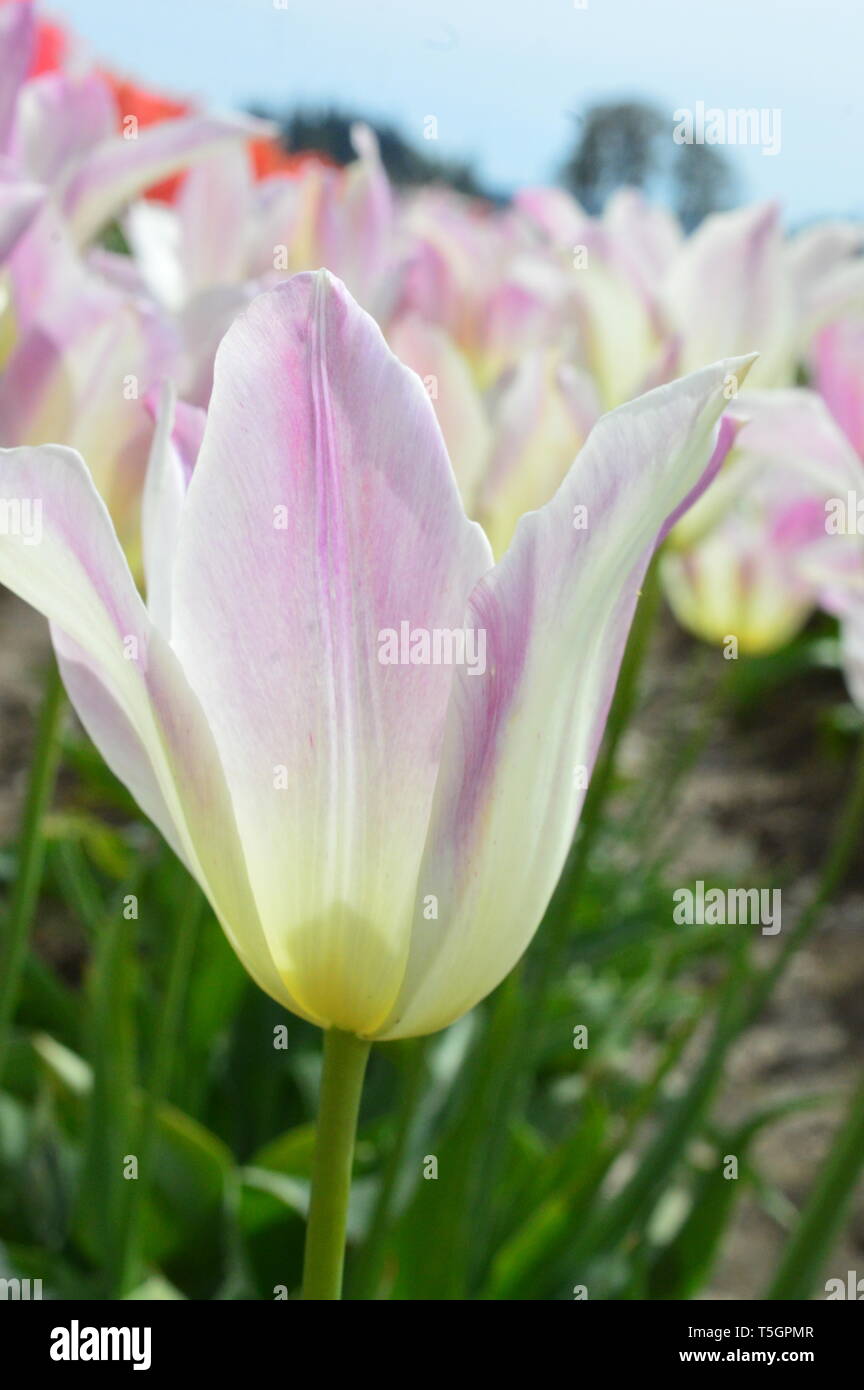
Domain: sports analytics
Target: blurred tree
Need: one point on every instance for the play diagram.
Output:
(630, 142)
(329, 132)
(702, 182)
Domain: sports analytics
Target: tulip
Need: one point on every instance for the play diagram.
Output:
(513, 447)
(61, 131)
(615, 268)
(746, 561)
(737, 281)
(730, 285)
(379, 841)
(480, 275)
(737, 591)
(827, 272)
(81, 344)
(227, 237)
(838, 354)
(81, 371)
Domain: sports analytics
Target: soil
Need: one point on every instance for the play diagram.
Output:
(758, 807)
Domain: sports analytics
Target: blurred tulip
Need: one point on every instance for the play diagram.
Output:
(839, 376)
(79, 369)
(614, 266)
(476, 273)
(740, 563)
(511, 446)
(226, 238)
(60, 130)
(730, 286)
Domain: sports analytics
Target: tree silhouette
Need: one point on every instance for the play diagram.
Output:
(329, 132)
(630, 142)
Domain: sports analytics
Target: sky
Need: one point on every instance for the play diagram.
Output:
(506, 80)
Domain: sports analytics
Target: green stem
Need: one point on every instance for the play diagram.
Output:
(345, 1059)
(31, 850)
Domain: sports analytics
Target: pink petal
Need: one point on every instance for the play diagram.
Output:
(19, 203)
(119, 169)
(730, 291)
(521, 740)
(125, 681)
(17, 38)
(323, 511)
(61, 119)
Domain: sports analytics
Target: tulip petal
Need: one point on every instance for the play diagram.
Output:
(19, 203)
(59, 120)
(521, 742)
(825, 266)
(153, 232)
(542, 416)
(17, 37)
(109, 727)
(431, 353)
(322, 512)
(355, 216)
(213, 209)
(79, 373)
(735, 584)
(730, 290)
(176, 440)
(646, 239)
(839, 361)
(117, 170)
(126, 683)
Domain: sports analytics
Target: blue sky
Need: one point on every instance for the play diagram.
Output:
(503, 77)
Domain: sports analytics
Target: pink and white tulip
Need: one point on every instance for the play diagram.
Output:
(378, 840)
(743, 562)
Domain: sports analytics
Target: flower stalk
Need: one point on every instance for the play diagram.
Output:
(345, 1057)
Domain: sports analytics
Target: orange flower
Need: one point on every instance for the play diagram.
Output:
(268, 157)
(148, 108)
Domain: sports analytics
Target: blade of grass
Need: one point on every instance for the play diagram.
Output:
(104, 1189)
(609, 1224)
(31, 850)
(550, 957)
(683, 1266)
(822, 1217)
(159, 1080)
(369, 1266)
